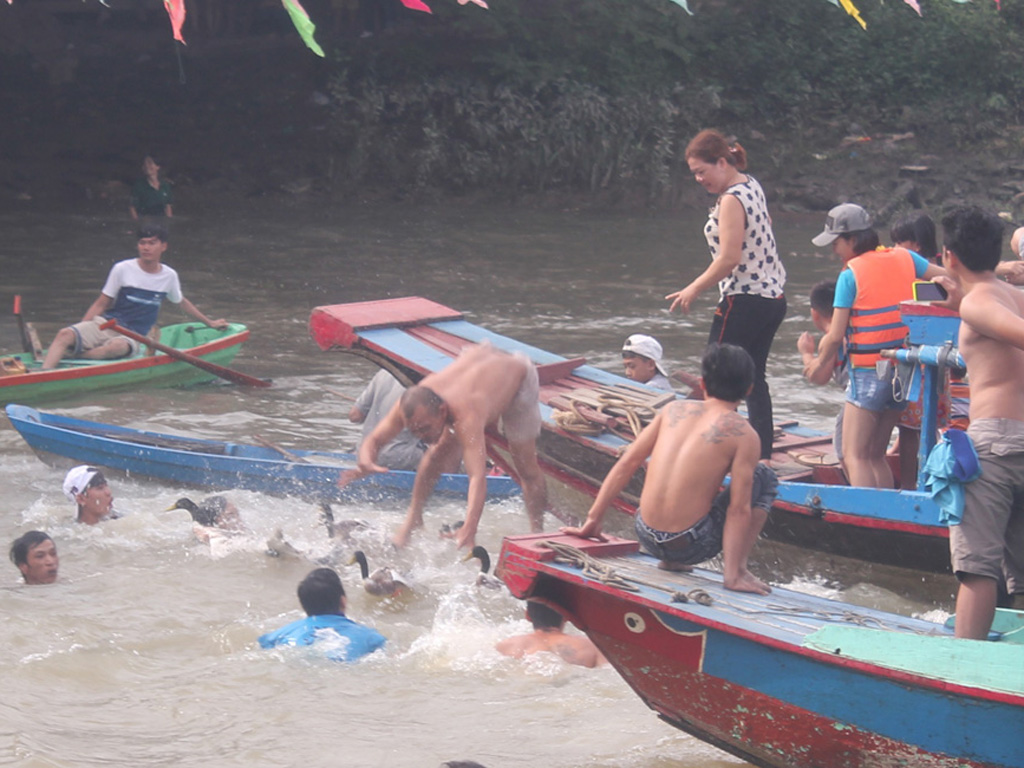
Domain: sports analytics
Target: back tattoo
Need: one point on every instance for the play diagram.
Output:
(726, 426)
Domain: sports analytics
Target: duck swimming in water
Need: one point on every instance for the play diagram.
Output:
(213, 511)
(383, 582)
(484, 579)
(339, 529)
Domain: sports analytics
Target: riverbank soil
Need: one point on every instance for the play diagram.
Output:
(85, 100)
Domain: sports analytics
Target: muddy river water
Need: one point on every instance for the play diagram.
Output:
(144, 652)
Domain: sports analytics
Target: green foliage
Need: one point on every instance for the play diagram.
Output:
(593, 94)
(459, 135)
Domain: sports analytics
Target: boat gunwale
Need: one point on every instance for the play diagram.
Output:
(218, 463)
(135, 363)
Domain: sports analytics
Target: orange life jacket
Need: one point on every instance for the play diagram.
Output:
(885, 277)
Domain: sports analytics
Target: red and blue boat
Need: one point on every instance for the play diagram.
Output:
(785, 680)
(413, 337)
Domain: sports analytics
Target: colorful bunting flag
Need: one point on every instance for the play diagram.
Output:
(481, 3)
(851, 9)
(416, 5)
(176, 10)
(303, 24)
(917, 6)
(682, 4)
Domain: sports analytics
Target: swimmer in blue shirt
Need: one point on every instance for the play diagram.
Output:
(323, 599)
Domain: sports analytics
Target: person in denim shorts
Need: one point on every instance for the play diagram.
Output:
(684, 517)
(866, 319)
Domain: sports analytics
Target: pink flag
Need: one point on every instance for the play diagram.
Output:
(176, 10)
(416, 5)
(917, 6)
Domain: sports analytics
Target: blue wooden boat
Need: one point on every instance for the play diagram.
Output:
(784, 680)
(218, 464)
(413, 336)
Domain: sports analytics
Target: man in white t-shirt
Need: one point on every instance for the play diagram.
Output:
(132, 296)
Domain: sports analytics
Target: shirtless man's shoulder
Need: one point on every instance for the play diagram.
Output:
(726, 426)
(678, 410)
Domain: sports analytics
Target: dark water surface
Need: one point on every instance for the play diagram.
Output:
(145, 652)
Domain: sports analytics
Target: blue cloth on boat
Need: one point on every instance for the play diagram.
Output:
(340, 638)
(951, 463)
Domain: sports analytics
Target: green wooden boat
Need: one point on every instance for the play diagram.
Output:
(77, 377)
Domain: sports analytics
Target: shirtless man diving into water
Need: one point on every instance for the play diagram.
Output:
(684, 518)
(449, 410)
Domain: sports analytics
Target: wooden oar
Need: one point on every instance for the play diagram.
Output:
(292, 457)
(336, 393)
(26, 344)
(217, 370)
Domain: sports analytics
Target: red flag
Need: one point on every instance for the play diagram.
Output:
(416, 5)
(176, 10)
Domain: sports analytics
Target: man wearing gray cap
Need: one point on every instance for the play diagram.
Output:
(641, 356)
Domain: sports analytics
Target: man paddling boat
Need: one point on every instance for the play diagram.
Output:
(132, 295)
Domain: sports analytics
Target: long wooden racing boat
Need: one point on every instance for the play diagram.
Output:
(76, 377)
(785, 680)
(217, 464)
(413, 337)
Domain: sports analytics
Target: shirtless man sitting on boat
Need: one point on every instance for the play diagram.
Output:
(449, 410)
(132, 296)
(684, 518)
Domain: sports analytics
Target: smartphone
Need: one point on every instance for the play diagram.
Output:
(928, 291)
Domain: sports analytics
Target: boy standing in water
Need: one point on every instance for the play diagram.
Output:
(988, 543)
(684, 518)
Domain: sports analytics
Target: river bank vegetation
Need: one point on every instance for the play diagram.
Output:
(532, 101)
(588, 96)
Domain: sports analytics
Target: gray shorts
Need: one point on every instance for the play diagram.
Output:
(520, 421)
(703, 540)
(89, 336)
(990, 539)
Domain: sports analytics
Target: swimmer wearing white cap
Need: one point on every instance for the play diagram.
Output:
(641, 356)
(88, 488)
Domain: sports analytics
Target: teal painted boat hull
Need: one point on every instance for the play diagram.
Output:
(75, 378)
